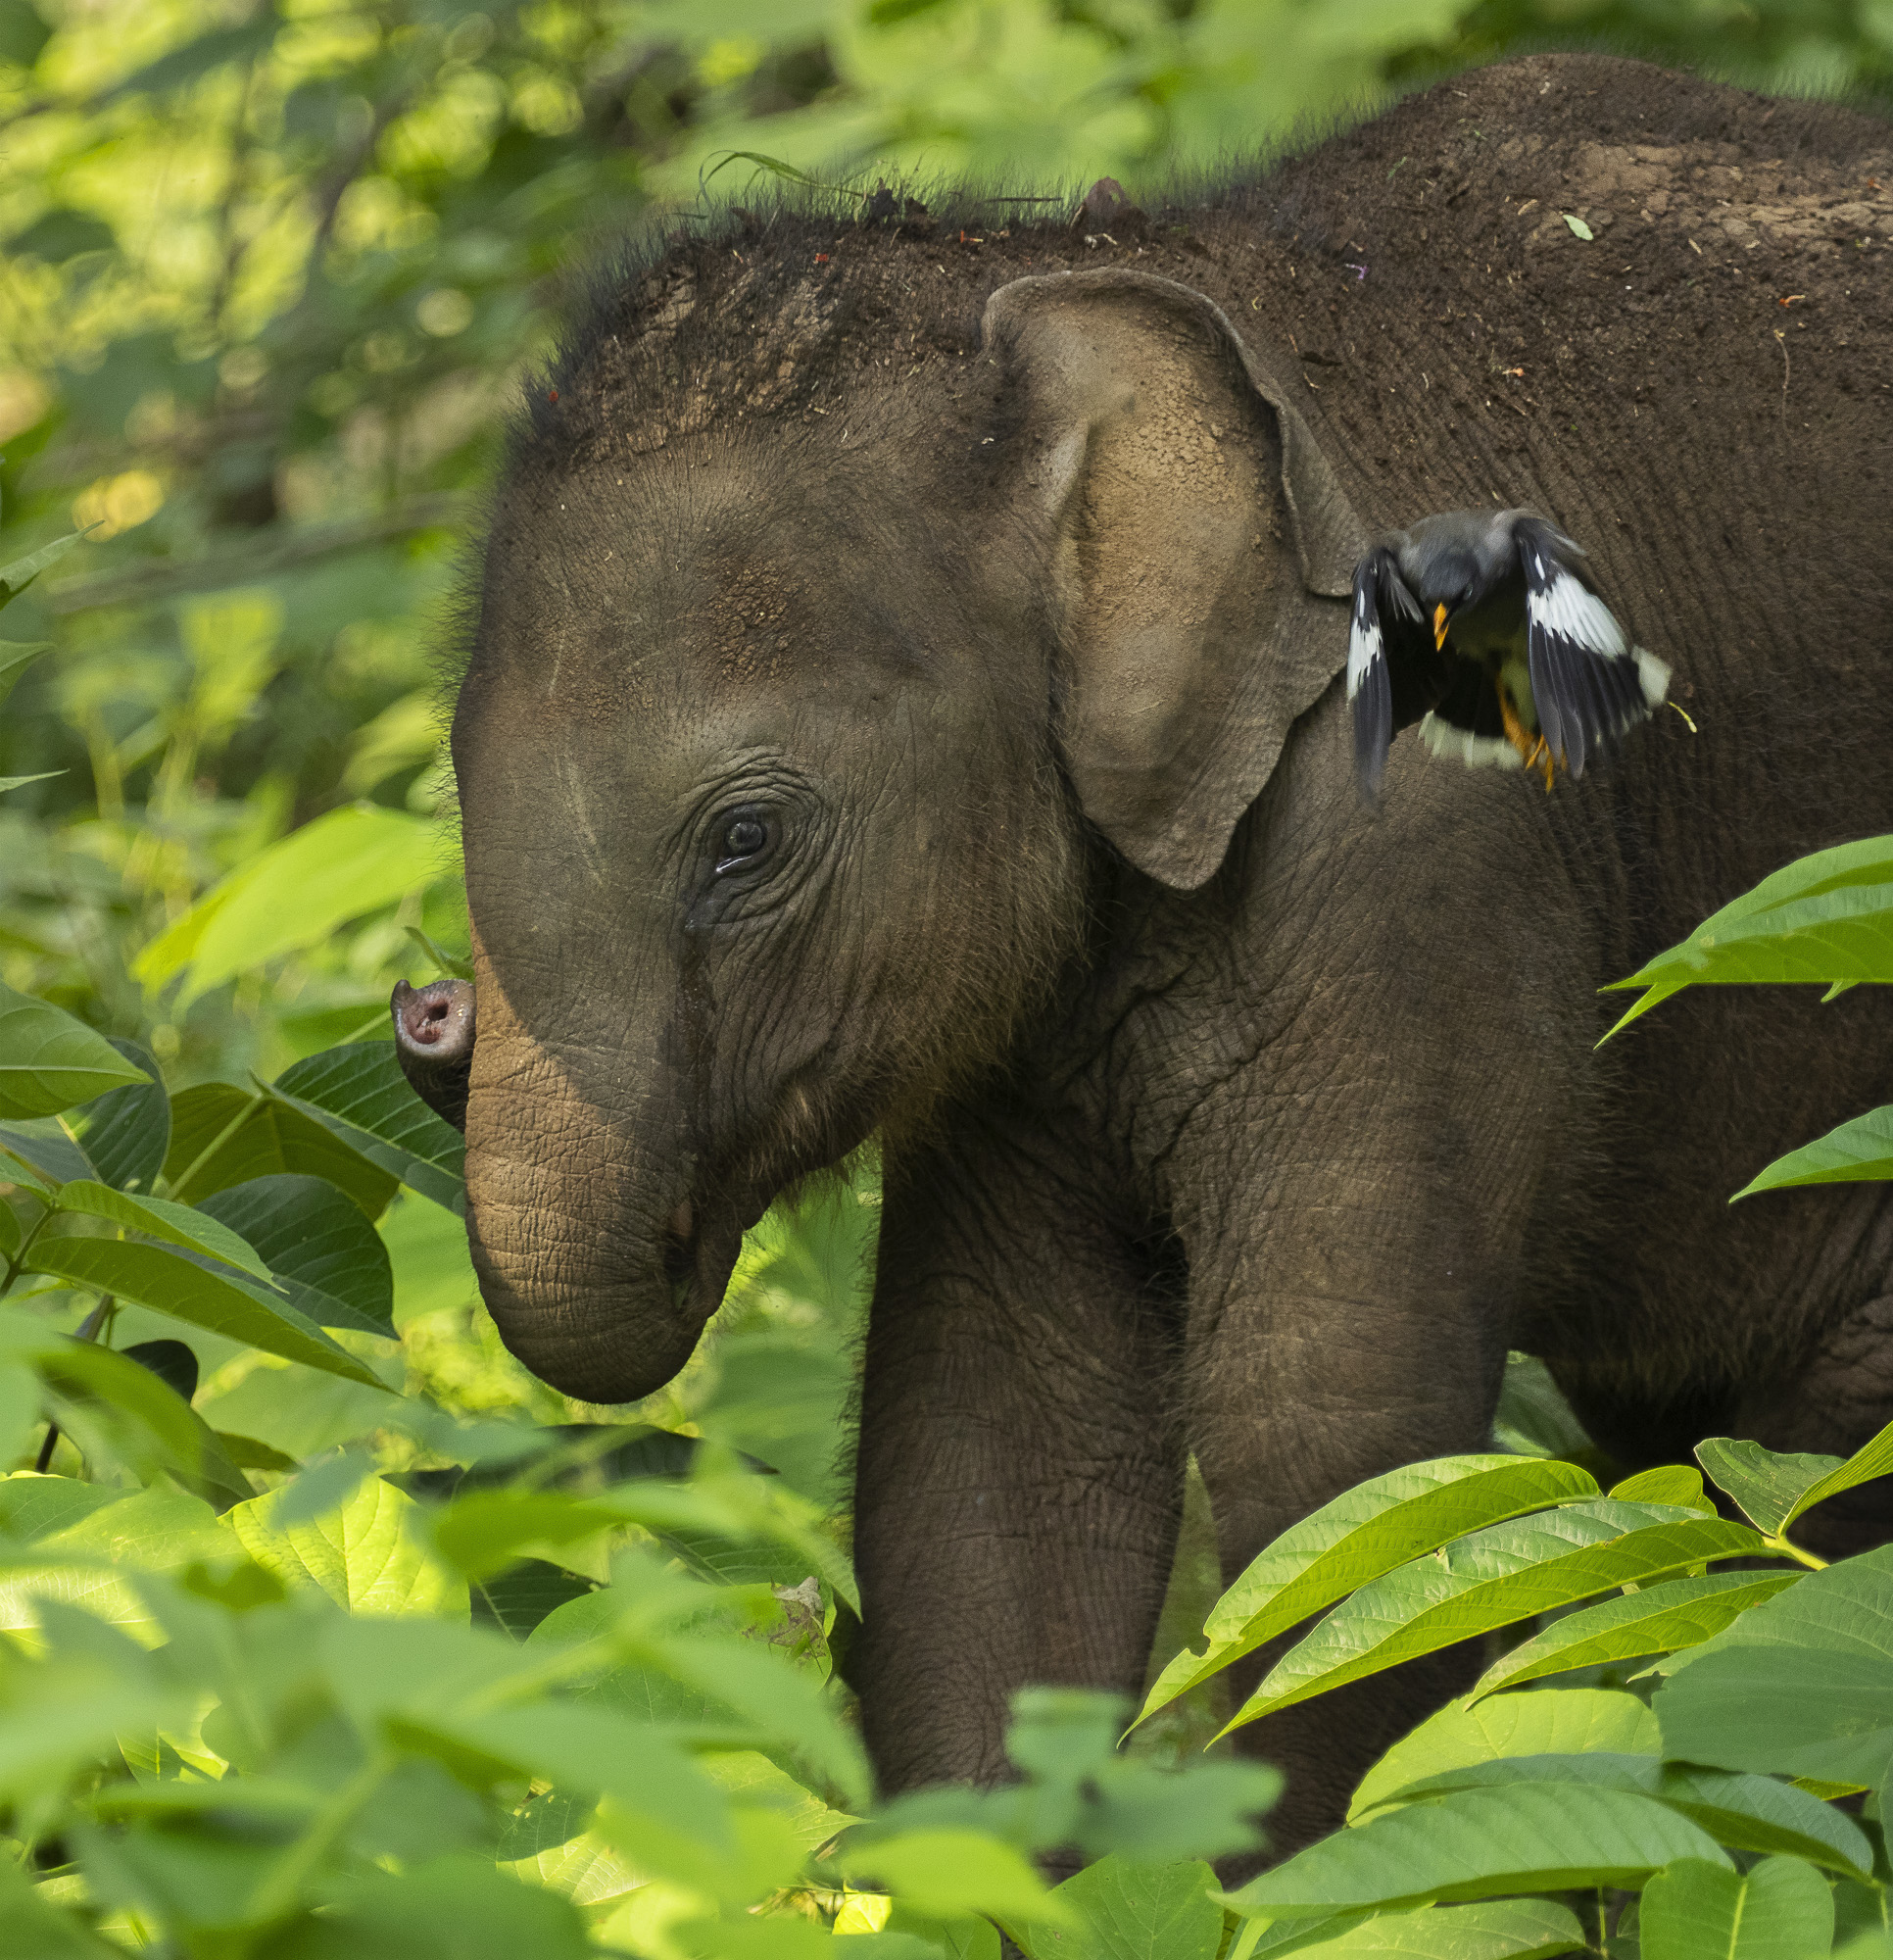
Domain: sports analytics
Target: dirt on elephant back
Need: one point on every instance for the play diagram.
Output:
(1526, 280)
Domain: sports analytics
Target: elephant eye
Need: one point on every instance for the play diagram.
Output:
(744, 839)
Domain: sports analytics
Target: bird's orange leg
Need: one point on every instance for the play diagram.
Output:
(1535, 749)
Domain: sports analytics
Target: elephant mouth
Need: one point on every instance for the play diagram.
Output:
(700, 1254)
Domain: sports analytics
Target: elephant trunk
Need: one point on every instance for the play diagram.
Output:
(434, 1038)
(597, 1266)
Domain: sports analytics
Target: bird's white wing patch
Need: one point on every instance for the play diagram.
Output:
(1461, 745)
(1567, 607)
(1365, 645)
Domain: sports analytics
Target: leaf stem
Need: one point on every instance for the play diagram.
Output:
(1788, 1550)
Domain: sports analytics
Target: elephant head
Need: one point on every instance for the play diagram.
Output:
(791, 746)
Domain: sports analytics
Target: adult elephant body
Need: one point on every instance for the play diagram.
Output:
(906, 697)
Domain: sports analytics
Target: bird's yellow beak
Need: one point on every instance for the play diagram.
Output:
(1439, 626)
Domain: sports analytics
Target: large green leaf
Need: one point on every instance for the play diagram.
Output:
(127, 1132)
(323, 1250)
(1781, 1910)
(1496, 1577)
(950, 1872)
(221, 1135)
(1860, 1150)
(1362, 1533)
(1555, 1721)
(1491, 1930)
(1801, 1684)
(1481, 1844)
(49, 1062)
(360, 1091)
(1748, 1813)
(1873, 1458)
(1794, 1711)
(1127, 1911)
(367, 1554)
(1768, 1484)
(1654, 1619)
(294, 894)
(219, 1300)
(1823, 918)
(159, 1219)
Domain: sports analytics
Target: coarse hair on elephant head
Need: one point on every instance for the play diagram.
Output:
(791, 750)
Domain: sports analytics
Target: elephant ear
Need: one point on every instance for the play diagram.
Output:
(1200, 541)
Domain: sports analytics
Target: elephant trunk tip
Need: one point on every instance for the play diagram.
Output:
(434, 1031)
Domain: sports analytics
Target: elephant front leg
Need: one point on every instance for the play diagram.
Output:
(1314, 1368)
(1019, 1480)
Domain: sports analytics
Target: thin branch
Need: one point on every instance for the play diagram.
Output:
(139, 585)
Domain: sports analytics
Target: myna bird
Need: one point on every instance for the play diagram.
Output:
(1486, 629)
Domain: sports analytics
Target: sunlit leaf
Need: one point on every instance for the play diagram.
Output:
(49, 1062)
(221, 1135)
(296, 894)
(367, 1555)
(1768, 1484)
(1858, 1150)
(218, 1301)
(1495, 1578)
(1655, 1619)
(1481, 1844)
(1366, 1532)
(159, 1218)
(1781, 1910)
(1559, 1720)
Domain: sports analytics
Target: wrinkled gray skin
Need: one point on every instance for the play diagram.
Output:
(1221, 1113)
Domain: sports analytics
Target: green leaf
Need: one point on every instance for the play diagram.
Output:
(1767, 1485)
(1781, 1910)
(296, 894)
(218, 1301)
(44, 1146)
(517, 1599)
(21, 574)
(1477, 1844)
(159, 1218)
(1555, 1721)
(1793, 1711)
(1654, 1619)
(1506, 1573)
(1533, 1418)
(1873, 1458)
(1748, 1813)
(323, 1252)
(1579, 229)
(126, 1133)
(459, 1905)
(360, 1091)
(1822, 918)
(49, 1062)
(1858, 1150)
(1362, 1533)
(1129, 1911)
(1669, 1483)
(16, 657)
(945, 1872)
(1493, 1930)
(223, 1136)
(549, 1843)
(20, 782)
(367, 1555)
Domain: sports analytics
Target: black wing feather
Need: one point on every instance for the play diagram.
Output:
(1395, 671)
(1584, 682)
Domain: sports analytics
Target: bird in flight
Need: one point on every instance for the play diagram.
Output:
(1486, 628)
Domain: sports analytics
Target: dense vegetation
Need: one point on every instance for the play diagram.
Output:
(324, 1628)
